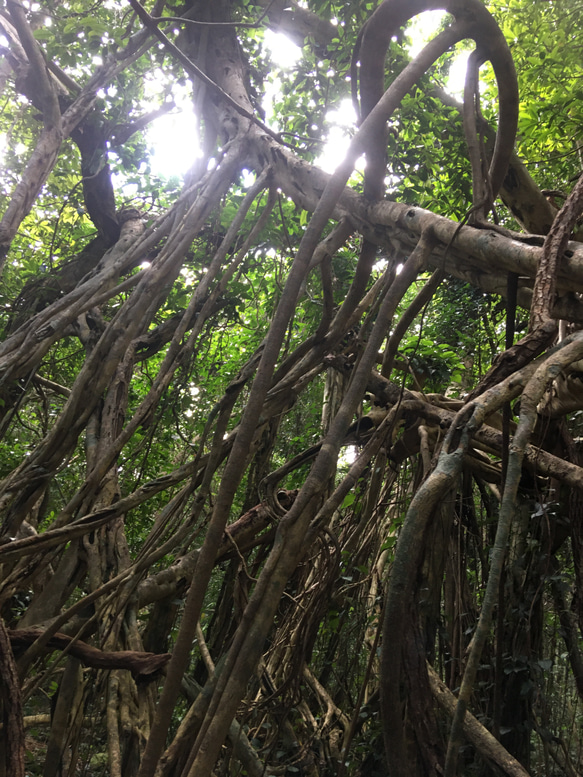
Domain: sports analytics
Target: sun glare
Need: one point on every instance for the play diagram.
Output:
(173, 138)
(422, 28)
(457, 74)
(174, 142)
(284, 53)
(348, 456)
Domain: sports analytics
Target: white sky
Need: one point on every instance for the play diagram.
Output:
(174, 137)
(174, 142)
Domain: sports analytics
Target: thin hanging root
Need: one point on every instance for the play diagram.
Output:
(570, 351)
(481, 184)
(11, 701)
(406, 560)
(289, 545)
(542, 327)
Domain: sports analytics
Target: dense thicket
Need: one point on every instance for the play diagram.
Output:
(290, 461)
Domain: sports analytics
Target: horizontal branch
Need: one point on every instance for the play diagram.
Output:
(471, 254)
(140, 664)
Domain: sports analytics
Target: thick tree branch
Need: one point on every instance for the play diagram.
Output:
(139, 664)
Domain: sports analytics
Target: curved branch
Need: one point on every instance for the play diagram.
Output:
(472, 21)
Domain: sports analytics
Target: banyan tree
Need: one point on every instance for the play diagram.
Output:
(290, 470)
